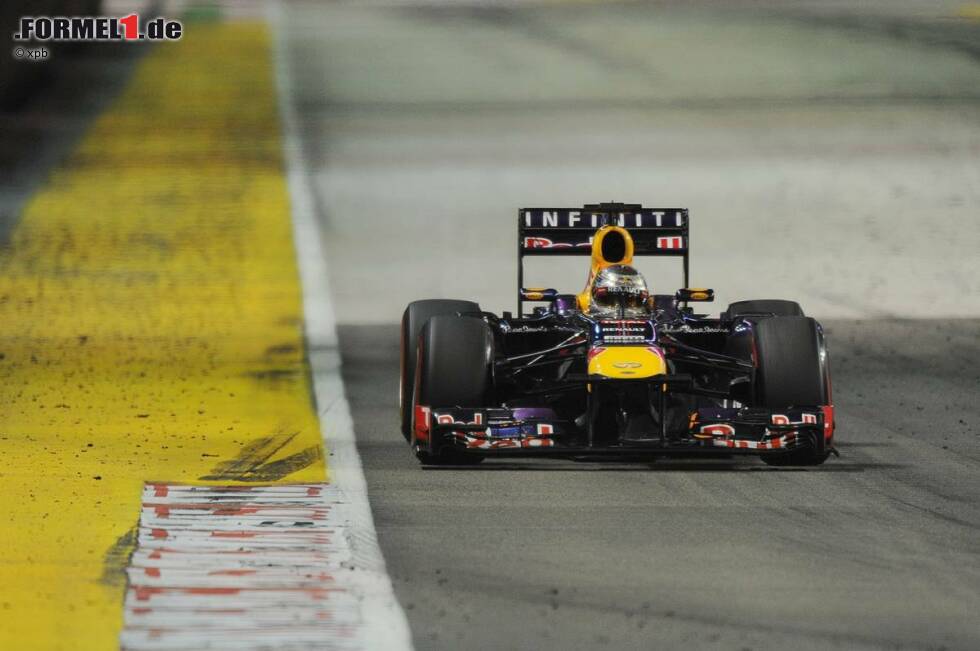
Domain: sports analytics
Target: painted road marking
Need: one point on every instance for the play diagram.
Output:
(383, 622)
(150, 329)
(240, 568)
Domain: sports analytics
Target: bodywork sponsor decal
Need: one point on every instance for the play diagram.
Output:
(711, 427)
(520, 428)
(564, 218)
(555, 243)
(673, 242)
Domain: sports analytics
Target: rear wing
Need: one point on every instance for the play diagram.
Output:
(569, 231)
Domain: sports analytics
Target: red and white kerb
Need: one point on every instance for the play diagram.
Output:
(242, 568)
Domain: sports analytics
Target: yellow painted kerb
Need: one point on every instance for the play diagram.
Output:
(969, 10)
(150, 329)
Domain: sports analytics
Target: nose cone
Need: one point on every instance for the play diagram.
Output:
(627, 362)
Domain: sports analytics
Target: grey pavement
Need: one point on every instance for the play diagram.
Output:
(878, 549)
(837, 165)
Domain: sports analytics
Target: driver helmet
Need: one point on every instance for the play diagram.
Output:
(619, 292)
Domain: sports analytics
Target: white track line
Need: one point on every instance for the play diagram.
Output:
(384, 625)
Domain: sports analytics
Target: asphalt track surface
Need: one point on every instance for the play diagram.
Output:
(827, 157)
(827, 153)
(875, 549)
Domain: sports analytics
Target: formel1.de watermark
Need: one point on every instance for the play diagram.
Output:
(36, 30)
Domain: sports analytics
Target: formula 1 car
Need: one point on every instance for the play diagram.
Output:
(613, 370)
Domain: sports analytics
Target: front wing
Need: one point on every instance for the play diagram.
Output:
(539, 432)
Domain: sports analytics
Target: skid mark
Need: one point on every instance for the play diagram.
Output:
(254, 463)
(282, 349)
(117, 558)
(227, 567)
(276, 375)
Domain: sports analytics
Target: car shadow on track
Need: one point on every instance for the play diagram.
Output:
(665, 466)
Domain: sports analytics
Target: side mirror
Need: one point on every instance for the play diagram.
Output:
(695, 294)
(538, 294)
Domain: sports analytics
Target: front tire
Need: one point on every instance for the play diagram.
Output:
(454, 368)
(415, 317)
(792, 371)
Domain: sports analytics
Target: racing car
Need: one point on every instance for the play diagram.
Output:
(613, 370)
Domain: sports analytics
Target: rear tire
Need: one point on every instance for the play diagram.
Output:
(790, 373)
(415, 316)
(764, 307)
(454, 369)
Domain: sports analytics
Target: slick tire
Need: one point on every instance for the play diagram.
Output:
(762, 307)
(414, 317)
(454, 367)
(791, 372)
